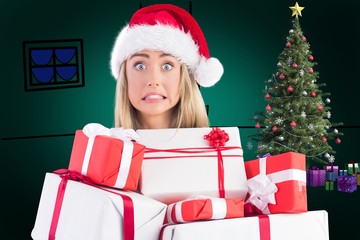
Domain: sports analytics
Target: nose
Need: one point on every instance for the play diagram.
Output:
(152, 84)
(154, 78)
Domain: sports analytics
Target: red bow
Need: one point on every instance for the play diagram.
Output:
(217, 138)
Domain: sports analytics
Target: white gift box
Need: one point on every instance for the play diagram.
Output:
(312, 225)
(180, 164)
(91, 213)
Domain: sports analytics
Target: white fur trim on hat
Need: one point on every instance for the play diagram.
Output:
(170, 40)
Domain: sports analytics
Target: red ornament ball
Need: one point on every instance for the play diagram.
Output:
(268, 108)
(290, 89)
(313, 94)
(338, 141)
(323, 139)
(267, 95)
(293, 124)
(257, 125)
(320, 108)
(282, 76)
(311, 70)
(311, 57)
(303, 38)
(295, 65)
(275, 128)
(288, 44)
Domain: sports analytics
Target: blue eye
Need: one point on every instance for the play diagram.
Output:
(140, 66)
(167, 66)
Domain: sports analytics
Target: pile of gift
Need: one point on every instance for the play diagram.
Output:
(346, 179)
(175, 184)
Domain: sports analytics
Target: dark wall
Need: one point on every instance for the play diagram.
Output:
(36, 127)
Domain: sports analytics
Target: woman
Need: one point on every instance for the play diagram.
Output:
(158, 60)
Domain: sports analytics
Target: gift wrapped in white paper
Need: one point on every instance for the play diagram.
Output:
(312, 225)
(91, 213)
(180, 164)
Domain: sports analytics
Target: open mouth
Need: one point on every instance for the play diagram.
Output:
(154, 97)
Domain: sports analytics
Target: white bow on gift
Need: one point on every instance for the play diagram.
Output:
(92, 130)
(262, 189)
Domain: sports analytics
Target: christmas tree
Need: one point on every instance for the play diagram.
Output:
(297, 115)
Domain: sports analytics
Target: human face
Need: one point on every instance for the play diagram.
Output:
(153, 84)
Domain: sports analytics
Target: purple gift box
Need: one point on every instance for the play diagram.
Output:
(347, 183)
(315, 177)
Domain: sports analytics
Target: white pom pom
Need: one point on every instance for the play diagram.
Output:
(208, 72)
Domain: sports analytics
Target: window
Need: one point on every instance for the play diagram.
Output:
(53, 64)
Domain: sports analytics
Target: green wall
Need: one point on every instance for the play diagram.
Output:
(247, 38)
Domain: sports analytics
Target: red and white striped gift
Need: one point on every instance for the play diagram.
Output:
(277, 184)
(204, 209)
(108, 157)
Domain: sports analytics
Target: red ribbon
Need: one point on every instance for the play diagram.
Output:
(217, 139)
(65, 174)
(221, 174)
(161, 235)
(189, 151)
(264, 227)
(251, 211)
(57, 208)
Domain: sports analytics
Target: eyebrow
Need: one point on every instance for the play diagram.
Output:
(147, 56)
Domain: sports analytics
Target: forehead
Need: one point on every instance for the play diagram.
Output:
(151, 54)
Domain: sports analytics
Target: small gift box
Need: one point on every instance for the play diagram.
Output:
(347, 183)
(315, 177)
(204, 209)
(342, 172)
(331, 172)
(353, 167)
(277, 184)
(330, 176)
(108, 157)
(329, 185)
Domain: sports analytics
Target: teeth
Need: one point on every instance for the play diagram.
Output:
(154, 97)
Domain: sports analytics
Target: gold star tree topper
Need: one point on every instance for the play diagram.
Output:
(296, 10)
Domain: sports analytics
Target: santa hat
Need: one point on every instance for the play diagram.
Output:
(171, 29)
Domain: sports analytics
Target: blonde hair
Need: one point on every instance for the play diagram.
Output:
(189, 112)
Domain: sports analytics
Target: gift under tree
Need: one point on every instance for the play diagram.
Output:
(297, 114)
